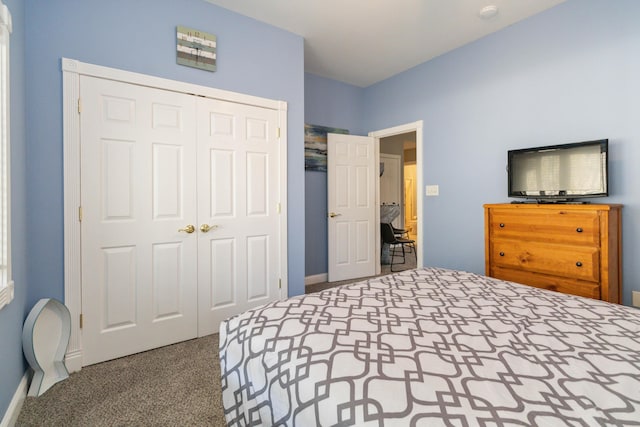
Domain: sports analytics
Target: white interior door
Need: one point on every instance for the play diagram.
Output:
(352, 172)
(391, 184)
(138, 191)
(238, 210)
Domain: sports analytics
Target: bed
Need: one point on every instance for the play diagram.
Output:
(432, 347)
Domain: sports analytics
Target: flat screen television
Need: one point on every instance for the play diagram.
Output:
(557, 173)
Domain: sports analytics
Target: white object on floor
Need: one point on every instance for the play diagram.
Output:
(45, 337)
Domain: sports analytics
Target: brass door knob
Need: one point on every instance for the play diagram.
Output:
(188, 229)
(333, 214)
(206, 227)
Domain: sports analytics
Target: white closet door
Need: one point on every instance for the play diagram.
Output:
(139, 283)
(238, 198)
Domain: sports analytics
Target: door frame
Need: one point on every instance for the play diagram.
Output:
(392, 131)
(71, 107)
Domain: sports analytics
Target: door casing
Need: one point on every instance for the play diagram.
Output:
(392, 131)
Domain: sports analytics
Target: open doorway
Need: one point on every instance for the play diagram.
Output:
(398, 189)
(404, 141)
(398, 179)
(347, 248)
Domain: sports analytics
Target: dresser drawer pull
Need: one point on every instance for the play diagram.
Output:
(502, 225)
(501, 253)
(578, 264)
(579, 229)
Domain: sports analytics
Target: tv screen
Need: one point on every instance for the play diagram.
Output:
(559, 172)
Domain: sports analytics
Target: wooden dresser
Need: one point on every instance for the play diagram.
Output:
(575, 249)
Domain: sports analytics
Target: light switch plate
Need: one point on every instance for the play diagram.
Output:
(635, 300)
(432, 190)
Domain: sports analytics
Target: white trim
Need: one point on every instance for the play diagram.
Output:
(5, 17)
(317, 278)
(397, 130)
(71, 71)
(71, 166)
(74, 66)
(11, 415)
(284, 253)
(6, 283)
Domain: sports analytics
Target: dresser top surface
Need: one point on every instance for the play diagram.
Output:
(555, 206)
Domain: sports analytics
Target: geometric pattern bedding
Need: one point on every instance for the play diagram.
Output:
(432, 347)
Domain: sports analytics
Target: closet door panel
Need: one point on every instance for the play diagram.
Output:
(139, 271)
(238, 195)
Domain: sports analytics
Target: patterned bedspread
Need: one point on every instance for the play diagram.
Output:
(433, 347)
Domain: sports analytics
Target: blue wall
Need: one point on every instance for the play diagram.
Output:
(12, 364)
(334, 104)
(568, 74)
(139, 36)
(253, 58)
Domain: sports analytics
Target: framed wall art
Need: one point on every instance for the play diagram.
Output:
(315, 146)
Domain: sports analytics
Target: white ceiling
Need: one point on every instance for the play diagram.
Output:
(362, 42)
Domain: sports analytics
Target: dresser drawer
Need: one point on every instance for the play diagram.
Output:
(553, 226)
(552, 283)
(577, 262)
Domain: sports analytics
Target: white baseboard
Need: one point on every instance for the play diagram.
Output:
(11, 416)
(73, 361)
(317, 278)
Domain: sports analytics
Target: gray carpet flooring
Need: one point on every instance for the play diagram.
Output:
(176, 385)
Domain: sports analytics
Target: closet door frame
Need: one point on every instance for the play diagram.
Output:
(71, 72)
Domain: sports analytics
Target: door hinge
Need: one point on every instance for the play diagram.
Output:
(278, 207)
(80, 213)
(81, 320)
(279, 283)
(278, 133)
(79, 106)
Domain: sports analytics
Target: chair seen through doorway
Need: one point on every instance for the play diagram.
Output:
(391, 238)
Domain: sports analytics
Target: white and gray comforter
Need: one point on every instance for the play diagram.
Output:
(432, 347)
